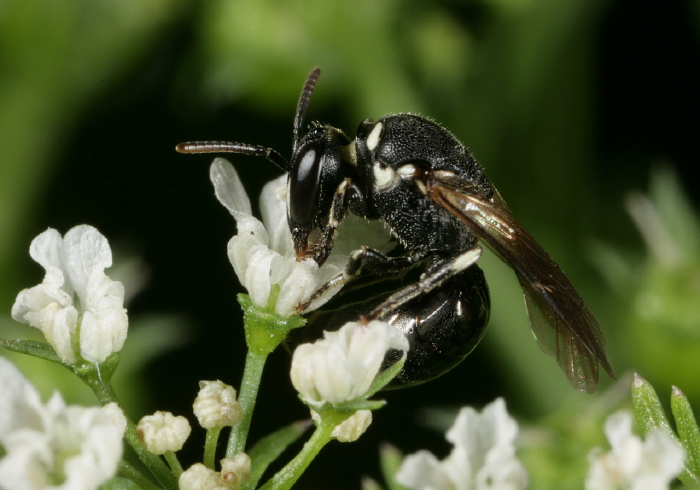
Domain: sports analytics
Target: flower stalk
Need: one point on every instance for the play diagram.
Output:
(288, 476)
(264, 331)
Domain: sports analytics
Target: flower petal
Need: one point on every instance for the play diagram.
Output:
(19, 401)
(47, 250)
(297, 287)
(273, 207)
(85, 251)
(257, 276)
(422, 470)
(341, 366)
(229, 189)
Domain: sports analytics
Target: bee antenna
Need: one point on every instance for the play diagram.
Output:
(303, 104)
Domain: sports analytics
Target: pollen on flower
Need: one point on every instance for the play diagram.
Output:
(216, 405)
(163, 432)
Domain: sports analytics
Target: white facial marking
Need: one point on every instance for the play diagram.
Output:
(374, 136)
(407, 170)
(384, 176)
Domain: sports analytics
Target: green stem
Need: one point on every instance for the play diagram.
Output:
(210, 447)
(172, 460)
(264, 331)
(289, 475)
(254, 364)
(136, 476)
(105, 394)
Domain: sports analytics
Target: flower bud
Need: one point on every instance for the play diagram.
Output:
(163, 432)
(199, 477)
(235, 471)
(216, 405)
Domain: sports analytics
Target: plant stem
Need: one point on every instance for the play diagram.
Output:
(105, 394)
(254, 364)
(288, 475)
(210, 444)
(175, 465)
(136, 476)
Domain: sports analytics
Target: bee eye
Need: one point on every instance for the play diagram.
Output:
(303, 185)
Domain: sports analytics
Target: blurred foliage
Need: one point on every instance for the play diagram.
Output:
(650, 416)
(94, 94)
(659, 287)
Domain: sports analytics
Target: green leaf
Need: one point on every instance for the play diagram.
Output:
(689, 434)
(268, 449)
(32, 348)
(647, 408)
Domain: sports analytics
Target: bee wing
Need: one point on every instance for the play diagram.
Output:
(562, 324)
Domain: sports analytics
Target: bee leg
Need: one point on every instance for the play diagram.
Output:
(429, 281)
(368, 260)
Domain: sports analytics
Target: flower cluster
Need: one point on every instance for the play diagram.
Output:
(483, 456)
(54, 444)
(342, 366)
(261, 252)
(632, 463)
(77, 307)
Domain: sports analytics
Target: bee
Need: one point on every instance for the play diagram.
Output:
(420, 180)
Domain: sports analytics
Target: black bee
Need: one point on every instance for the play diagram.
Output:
(417, 178)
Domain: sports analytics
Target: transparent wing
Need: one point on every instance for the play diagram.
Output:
(561, 322)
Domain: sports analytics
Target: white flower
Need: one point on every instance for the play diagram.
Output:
(76, 298)
(352, 428)
(483, 456)
(54, 446)
(235, 470)
(163, 431)
(262, 254)
(341, 366)
(216, 405)
(633, 464)
(199, 477)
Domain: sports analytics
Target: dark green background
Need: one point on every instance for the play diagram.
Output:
(568, 106)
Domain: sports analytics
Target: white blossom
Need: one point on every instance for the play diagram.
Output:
(216, 405)
(199, 477)
(350, 429)
(163, 431)
(633, 464)
(235, 470)
(341, 366)
(76, 306)
(54, 446)
(483, 456)
(262, 254)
